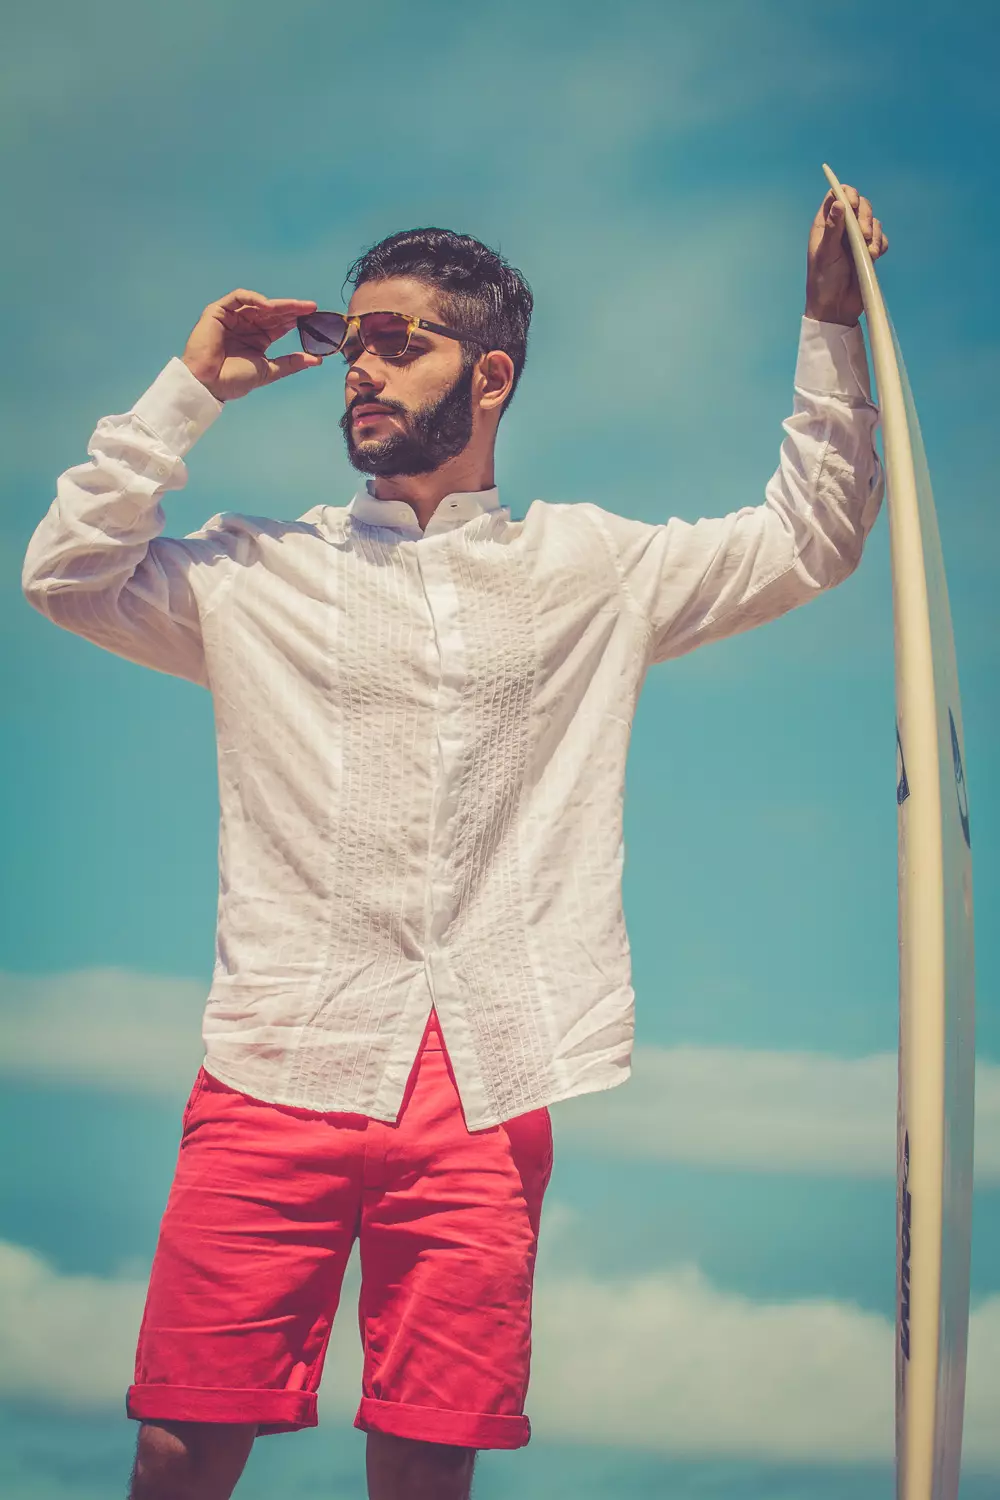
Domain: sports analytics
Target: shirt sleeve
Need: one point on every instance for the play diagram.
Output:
(97, 564)
(695, 582)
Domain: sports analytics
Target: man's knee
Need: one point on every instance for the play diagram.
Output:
(190, 1460)
(408, 1467)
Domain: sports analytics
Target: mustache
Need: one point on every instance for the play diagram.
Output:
(393, 406)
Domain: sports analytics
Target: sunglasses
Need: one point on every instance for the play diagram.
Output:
(386, 334)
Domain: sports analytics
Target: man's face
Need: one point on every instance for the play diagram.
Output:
(406, 415)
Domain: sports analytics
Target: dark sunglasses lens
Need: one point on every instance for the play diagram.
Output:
(322, 333)
(384, 333)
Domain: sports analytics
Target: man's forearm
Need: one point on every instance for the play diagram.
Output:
(107, 511)
(96, 564)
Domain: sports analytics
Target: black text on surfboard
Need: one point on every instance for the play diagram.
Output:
(902, 785)
(960, 787)
(904, 1258)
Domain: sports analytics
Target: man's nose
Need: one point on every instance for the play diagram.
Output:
(364, 375)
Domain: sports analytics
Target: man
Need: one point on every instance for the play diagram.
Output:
(423, 711)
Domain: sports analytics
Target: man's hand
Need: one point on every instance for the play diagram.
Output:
(227, 350)
(832, 291)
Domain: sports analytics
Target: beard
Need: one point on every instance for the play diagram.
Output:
(436, 433)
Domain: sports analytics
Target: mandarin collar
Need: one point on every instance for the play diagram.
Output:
(452, 511)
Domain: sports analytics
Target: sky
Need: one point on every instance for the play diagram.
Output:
(715, 1288)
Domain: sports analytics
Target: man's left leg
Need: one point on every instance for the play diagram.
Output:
(448, 1238)
(405, 1469)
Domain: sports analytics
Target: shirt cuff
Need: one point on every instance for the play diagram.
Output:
(177, 407)
(832, 361)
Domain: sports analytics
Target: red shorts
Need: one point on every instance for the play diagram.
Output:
(264, 1208)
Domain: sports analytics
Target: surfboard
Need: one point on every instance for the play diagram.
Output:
(936, 973)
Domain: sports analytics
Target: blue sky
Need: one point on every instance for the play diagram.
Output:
(722, 1229)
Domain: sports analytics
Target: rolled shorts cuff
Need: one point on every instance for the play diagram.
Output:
(273, 1411)
(429, 1424)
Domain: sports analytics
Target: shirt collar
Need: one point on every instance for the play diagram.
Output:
(452, 511)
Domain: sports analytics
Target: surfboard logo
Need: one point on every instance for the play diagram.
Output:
(963, 795)
(902, 785)
(904, 1252)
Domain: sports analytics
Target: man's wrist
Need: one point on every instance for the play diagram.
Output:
(826, 313)
(200, 375)
(178, 407)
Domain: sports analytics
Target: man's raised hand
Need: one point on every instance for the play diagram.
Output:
(227, 349)
(832, 291)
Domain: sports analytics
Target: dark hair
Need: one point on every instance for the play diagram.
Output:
(478, 290)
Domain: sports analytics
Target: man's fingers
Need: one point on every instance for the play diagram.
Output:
(286, 308)
(275, 325)
(264, 309)
(832, 212)
(879, 244)
(830, 222)
(829, 212)
(243, 294)
(268, 319)
(295, 303)
(242, 298)
(290, 364)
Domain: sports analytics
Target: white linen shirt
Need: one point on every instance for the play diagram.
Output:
(422, 734)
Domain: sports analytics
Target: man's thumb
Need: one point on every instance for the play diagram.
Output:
(290, 364)
(830, 245)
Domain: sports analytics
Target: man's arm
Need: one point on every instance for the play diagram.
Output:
(97, 564)
(698, 582)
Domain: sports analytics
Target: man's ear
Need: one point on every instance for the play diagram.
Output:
(495, 379)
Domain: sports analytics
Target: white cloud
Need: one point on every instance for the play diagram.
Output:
(71, 1339)
(723, 1107)
(981, 1437)
(65, 1339)
(110, 1028)
(666, 1361)
(764, 1112)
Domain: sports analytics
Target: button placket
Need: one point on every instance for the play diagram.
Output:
(442, 603)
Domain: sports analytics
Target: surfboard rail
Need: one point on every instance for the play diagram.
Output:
(934, 1165)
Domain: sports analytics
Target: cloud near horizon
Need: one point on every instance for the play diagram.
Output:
(665, 1362)
(754, 1110)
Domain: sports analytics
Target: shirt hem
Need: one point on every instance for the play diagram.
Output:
(610, 1074)
(232, 1080)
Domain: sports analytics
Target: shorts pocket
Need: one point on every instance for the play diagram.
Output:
(529, 1138)
(196, 1089)
(550, 1158)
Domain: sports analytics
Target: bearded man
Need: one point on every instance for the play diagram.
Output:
(422, 710)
